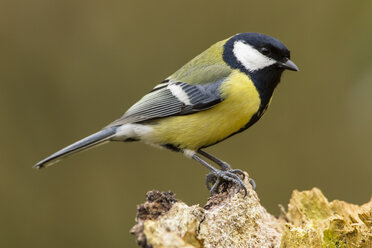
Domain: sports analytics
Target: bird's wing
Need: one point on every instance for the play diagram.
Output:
(172, 98)
(193, 88)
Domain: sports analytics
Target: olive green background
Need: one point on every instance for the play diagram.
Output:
(68, 68)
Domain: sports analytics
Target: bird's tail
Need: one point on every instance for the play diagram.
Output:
(91, 141)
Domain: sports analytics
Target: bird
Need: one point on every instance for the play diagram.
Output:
(219, 93)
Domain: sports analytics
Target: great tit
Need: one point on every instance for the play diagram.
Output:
(221, 92)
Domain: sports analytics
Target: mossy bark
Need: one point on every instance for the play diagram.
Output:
(232, 220)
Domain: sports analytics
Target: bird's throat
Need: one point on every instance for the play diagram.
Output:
(265, 82)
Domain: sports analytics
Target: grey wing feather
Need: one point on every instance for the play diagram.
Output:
(162, 102)
(156, 104)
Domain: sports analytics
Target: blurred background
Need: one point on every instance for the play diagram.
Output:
(68, 68)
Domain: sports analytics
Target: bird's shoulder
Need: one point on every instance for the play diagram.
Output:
(207, 67)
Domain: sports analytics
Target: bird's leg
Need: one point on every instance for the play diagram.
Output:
(224, 166)
(217, 176)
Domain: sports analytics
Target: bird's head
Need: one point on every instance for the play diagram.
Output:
(253, 52)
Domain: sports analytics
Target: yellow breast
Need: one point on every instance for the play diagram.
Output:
(207, 127)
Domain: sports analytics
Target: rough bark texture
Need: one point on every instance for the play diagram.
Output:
(232, 220)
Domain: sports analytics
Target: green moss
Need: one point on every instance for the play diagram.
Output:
(332, 240)
(314, 205)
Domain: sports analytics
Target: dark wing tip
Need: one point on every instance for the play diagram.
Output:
(39, 165)
(55, 158)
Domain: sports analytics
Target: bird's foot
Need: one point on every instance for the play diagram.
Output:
(218, 177)
(253, 183)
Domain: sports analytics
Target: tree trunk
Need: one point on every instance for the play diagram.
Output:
(231, 220)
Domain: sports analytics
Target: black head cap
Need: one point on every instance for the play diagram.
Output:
(264, 44)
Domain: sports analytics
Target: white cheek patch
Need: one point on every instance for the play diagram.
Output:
(134, 131)
(178, 92)
(250, 58)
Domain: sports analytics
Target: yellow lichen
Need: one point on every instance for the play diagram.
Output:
(315, 222)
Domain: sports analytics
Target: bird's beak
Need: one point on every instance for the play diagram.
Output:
(289, 65)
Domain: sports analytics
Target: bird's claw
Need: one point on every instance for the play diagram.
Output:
(216, 178)
(211, 179)
(253, 183)
(238, 171)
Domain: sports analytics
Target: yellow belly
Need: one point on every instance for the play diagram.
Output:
(207, 127)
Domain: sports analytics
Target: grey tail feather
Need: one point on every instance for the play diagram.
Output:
(88, 142)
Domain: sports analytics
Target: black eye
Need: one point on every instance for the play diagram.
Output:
(265, 51)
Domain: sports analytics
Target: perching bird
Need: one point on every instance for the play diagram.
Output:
(219, 93)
